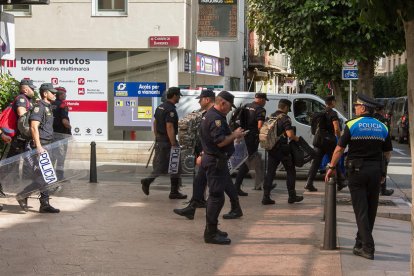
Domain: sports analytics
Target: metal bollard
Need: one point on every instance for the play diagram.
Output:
(329, 238)
(325, 202)
(93, 178)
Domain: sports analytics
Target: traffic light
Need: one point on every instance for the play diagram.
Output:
(24, 2)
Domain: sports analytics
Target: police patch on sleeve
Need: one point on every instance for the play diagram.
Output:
(22, 100)
(218, 123)
(36, 109)
(172, 114)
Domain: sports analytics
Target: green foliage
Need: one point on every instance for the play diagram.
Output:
(9, 89)
(394, 85)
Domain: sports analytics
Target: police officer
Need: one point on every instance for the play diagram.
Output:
(255, 115)
(331, 134)
(206, 101)
(369, 143)
(41, 125)
(379, 115)
(281, 153)
(165, 131)
(61, 125)
(217, 142)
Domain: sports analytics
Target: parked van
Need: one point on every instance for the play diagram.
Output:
(303, 107)
(399, 120)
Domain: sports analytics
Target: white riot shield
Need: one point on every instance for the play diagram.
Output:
(239, 156)
(30, 172)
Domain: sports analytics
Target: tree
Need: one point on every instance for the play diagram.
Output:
(326, 32)
(400, 13)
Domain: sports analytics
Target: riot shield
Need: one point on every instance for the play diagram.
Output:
(31, 172)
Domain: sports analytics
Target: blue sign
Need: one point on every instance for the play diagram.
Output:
(139, 89)
(349, 74)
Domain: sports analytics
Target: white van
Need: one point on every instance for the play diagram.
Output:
(303, 106)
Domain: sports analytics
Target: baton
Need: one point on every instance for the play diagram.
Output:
(152, 148)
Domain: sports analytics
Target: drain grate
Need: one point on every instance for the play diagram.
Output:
(347, 201)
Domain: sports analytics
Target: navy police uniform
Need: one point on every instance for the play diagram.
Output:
(328, 148)
(200, 184)
(42, 112)
(254, 112)
(367, 139)
(165, 113)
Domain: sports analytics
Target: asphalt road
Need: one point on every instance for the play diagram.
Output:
(400, 171)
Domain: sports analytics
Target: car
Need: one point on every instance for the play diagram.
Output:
(399, 120)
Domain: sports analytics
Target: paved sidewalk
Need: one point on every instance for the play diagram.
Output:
(112, 228)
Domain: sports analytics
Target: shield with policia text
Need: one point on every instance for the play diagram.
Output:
(25, 174)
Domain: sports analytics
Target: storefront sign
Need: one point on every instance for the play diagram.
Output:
(210, 65)
(85, 77)
(164, 41)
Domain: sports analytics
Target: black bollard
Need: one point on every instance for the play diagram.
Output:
(93, 178)
(325, 201)
(329, 238)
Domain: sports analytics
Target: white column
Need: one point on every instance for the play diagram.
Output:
(172, 67)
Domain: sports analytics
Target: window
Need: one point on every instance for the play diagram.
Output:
(109, 7)
(18, 10)
(303, 109)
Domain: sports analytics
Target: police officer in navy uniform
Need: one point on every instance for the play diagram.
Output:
(369, 148)
(165, 131)
(218, 145)
(206, 101)
(41, 126)
(61, 125)
(333, 132)
(379, 115)
(281, 153)
(255, 115)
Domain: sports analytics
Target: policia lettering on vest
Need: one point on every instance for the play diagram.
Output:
(369, 150)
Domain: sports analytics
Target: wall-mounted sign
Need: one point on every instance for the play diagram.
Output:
(210, 65)
(135, 102)
(217, 20)
(164, 41)
(84, 75)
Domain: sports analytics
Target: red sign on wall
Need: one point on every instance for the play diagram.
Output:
(164, 41)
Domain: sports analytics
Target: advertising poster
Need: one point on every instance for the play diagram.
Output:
(85, 77)
(135, 103)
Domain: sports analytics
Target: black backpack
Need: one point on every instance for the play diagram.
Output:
(319, 120)
(238, 118)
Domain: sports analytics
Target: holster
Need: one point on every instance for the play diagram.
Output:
(354, 165)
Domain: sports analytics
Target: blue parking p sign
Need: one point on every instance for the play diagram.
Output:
(349, 74)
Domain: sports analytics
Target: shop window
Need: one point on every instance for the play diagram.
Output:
(109, 7)
(18, 10)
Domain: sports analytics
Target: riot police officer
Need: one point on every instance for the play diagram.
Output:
(217, 142)
(379, 115)
(254, 117)
(281, 153)
(369, 148)
(165, 131)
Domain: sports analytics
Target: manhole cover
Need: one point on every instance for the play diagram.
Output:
(347, 201)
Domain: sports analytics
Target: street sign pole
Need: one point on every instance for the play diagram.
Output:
(350, 100)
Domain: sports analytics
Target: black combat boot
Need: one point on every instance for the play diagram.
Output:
(266, 197)
(367, 254)
(146, 182)
(45, 207)
(175, 193)
(385, 191)
(188, 211)
(215, 236)
(235, 211)
(240, 192)
(293, 197)
(309, 186)
(23, 203)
